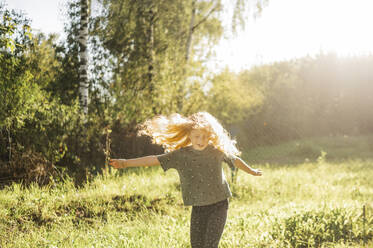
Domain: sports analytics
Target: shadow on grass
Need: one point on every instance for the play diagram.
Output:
(86, 210)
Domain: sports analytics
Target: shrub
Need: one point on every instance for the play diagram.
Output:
(313, 228)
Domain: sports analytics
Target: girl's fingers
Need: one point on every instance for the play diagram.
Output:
(258, 172)
(113, 163)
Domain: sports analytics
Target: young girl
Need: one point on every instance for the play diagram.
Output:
(195, 147)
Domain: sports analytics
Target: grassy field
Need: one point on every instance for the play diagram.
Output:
(300, 201)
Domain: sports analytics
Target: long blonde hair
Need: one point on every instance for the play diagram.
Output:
(172, 132)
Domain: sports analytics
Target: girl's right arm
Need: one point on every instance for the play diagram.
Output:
(135, 162)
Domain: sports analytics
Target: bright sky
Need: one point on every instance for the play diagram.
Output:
(46, 15)
(286, 29)
(296, 28)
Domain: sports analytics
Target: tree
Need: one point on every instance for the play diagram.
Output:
(32, 123)
(154, 51)
(233, 98)
(15, 37)
(140, 55)
(83, 55)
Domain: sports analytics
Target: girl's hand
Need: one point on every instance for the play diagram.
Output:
(116, 163)
(257, 172)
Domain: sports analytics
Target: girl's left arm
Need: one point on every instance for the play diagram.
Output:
(240, 164)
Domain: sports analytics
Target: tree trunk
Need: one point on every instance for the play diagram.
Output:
(190, 34)
(151, 53)
(83, 55)
(188, 45)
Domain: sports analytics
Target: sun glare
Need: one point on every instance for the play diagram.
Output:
(295, 28)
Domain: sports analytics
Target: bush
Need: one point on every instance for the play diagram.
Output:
(314, 228)
(27, 167)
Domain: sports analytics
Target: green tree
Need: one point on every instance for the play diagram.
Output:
(34, 125)
(155, 51)
(233, 98)
(15, 93)
(83, 54)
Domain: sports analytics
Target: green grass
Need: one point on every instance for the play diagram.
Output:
(310, 204)
(337, 149)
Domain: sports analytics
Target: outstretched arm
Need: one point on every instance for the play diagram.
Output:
(135, 162)
(240, 164)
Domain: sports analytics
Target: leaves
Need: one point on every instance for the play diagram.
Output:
(314, 228)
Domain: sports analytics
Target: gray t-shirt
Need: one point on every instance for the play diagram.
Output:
(201, 174)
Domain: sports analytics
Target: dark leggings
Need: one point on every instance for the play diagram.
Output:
(207, 224)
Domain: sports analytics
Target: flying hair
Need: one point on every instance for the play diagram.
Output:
(172, 132)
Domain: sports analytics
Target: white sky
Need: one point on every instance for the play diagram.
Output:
(286, 29)
(295, 28)
(46, 15)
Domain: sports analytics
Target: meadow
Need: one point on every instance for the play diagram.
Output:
(313, 193)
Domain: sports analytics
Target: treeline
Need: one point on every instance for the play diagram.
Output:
(324, 95)
(147, 58)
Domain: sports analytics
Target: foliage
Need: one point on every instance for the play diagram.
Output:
(315, 228)
(14, 38)
(35, 127)
(14, 31)
(138, 70)
(145, 55)
(65, 85)
(305, 97)
(232, 101)
(145, 51)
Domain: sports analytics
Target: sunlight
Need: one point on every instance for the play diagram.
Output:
(289, 29)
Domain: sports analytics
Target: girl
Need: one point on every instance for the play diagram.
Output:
(195, 147)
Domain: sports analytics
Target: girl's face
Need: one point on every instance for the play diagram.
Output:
(199, 139)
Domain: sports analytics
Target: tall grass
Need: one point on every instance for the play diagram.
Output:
(311, 204)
